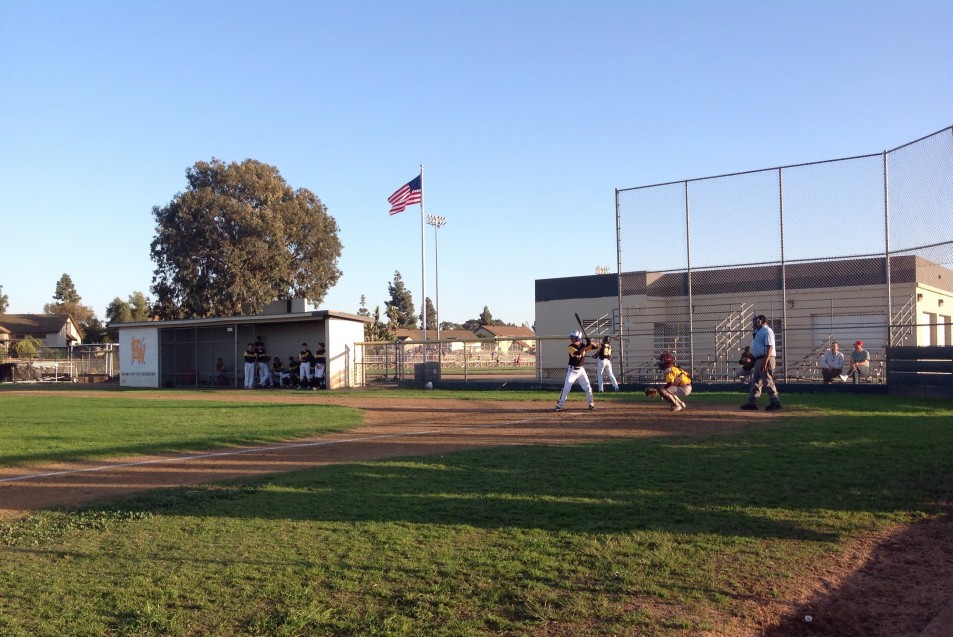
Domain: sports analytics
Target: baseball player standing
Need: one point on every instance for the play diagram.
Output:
(604, 365)
(577, 357)
(264, 374)
(251, 365)
(304, 371)
(762, 374)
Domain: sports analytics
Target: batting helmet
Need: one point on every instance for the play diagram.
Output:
(575, 335)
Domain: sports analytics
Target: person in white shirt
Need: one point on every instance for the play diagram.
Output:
(832, 363)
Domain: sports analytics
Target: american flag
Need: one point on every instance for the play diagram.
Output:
(407, 195)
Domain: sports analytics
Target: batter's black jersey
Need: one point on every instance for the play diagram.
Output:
(577, 353)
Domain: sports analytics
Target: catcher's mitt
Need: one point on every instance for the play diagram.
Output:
(651, 392)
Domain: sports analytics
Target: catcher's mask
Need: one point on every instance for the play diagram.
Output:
(665, 360)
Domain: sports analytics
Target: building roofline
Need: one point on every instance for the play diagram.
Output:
(244, 320)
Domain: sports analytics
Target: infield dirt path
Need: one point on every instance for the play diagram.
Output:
(898, 583)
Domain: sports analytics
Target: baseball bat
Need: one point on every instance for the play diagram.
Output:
(579, 320)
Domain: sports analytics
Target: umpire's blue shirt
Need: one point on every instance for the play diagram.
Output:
(763, 339)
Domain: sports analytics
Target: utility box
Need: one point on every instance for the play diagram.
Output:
(424, 372)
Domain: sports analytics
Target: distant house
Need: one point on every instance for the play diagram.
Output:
(509, 338)
(404, 335)
(53, 330)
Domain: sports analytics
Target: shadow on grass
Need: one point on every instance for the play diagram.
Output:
(813, 481)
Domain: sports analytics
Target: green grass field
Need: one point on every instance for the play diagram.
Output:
(631, 537)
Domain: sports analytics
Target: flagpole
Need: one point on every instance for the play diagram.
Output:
(423, 267)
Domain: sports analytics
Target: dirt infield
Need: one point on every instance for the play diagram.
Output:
(895, 584)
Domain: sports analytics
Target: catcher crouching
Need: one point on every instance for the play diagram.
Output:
(677, 383)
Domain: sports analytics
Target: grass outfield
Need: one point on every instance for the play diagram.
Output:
(630, 537)
(56, 428)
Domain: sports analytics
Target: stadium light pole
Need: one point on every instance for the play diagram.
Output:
(437, 222)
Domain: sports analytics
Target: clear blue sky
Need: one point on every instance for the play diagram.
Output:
(526, 116)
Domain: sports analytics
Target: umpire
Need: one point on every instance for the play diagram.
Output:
(762, 374)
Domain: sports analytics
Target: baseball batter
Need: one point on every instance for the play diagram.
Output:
(604, 365)
(577, 372)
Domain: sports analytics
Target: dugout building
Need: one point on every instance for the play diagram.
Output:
(183, 353)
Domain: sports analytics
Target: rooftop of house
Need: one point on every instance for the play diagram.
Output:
(33, 323)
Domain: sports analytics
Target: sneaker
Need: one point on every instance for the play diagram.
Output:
(615, 389)
(559, 408)
(773, 407)
(592, 407)
(682, 404)
(677, 407)
(750, 407)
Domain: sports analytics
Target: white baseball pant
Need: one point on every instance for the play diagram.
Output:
(604, 368)
(572, 375)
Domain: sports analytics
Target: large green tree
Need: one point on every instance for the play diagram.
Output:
(378, 330)
(400, 308)
(68, 302)
(239, 238)
(137, 308)
(431, 314)
(4, 301)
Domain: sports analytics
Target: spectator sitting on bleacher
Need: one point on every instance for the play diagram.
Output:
(832, 363)
(859, 362)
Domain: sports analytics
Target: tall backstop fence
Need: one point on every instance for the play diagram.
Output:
(859, 248)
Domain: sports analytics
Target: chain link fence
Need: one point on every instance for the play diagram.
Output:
(859, 248)
(81, 363)
(488, 359)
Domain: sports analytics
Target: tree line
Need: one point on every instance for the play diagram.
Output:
(238, 238)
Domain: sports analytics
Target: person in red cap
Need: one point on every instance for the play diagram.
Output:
(859, 362)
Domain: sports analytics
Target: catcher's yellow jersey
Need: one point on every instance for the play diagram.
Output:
(677, 376)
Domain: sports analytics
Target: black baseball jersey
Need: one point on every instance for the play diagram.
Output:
(605, 351)
(577, 352)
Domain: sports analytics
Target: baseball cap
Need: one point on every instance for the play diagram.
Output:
(861, 343)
